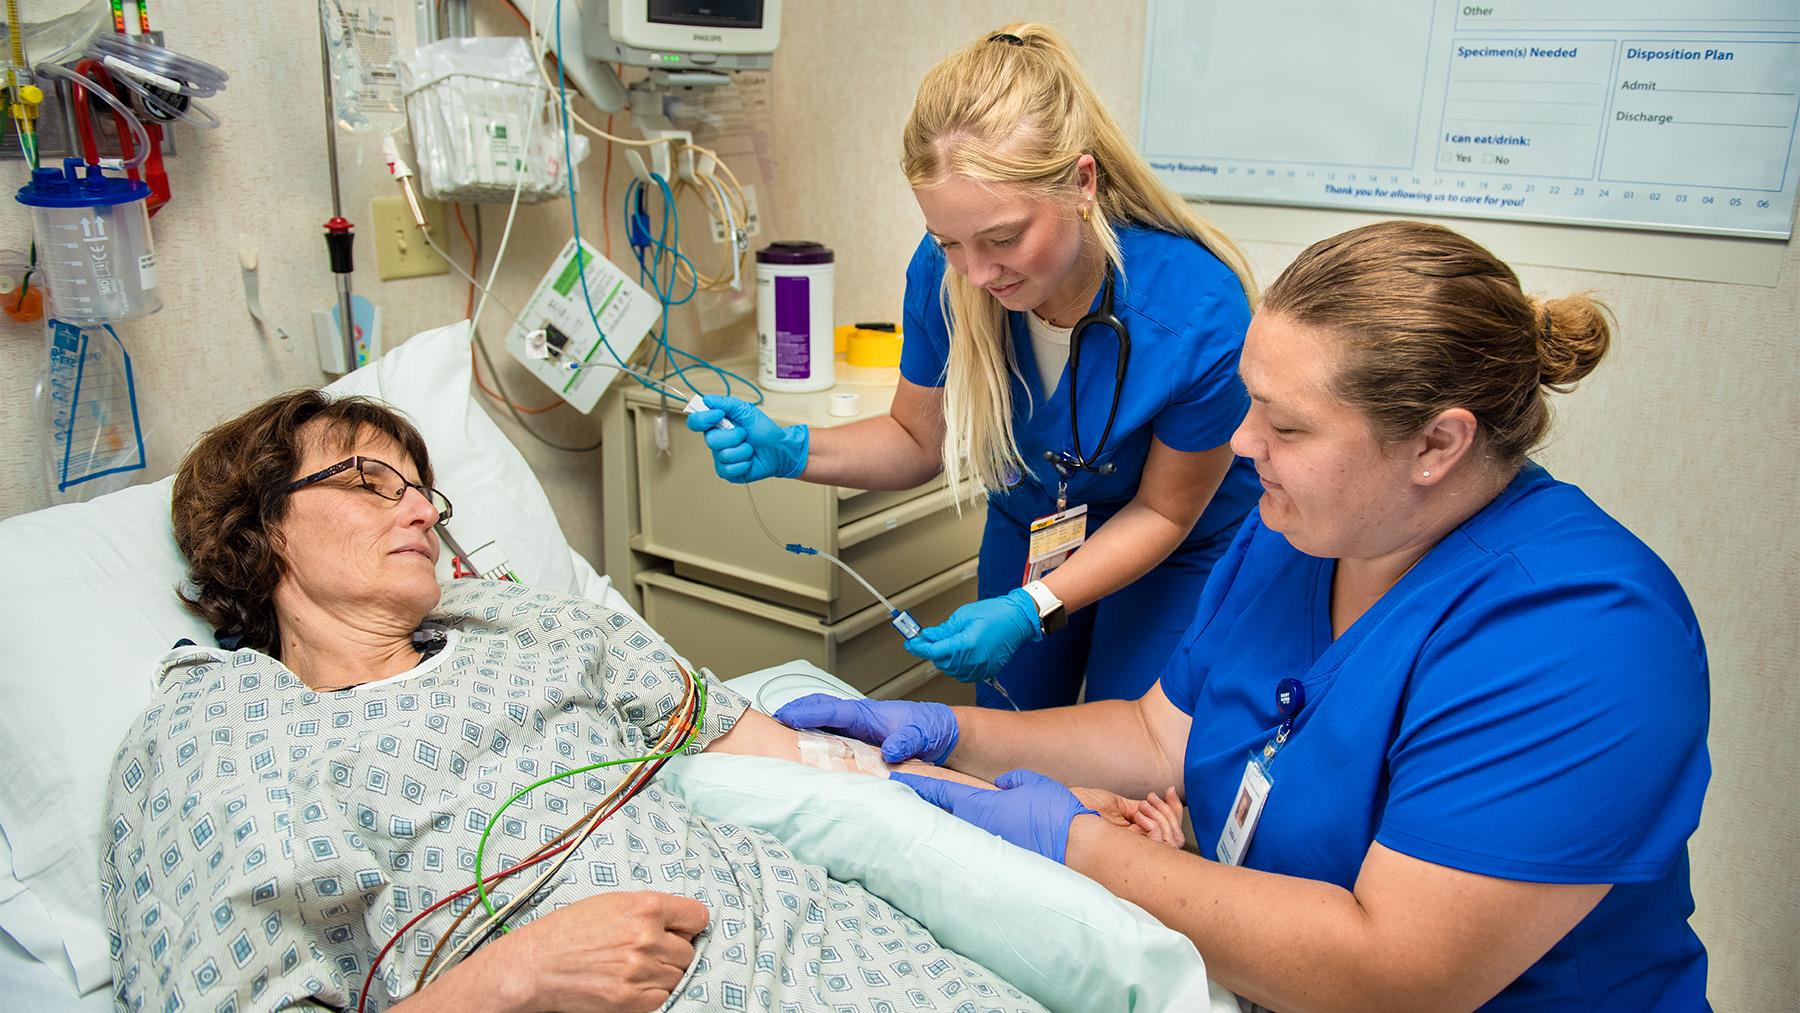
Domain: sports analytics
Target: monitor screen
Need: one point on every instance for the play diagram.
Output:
(707, 13)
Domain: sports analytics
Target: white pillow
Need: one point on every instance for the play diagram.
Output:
(90, 605)
(484, 475)
(1054, 934)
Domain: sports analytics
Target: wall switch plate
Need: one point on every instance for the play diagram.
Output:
(400, 252)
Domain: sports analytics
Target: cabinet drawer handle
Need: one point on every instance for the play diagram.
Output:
(860, 531)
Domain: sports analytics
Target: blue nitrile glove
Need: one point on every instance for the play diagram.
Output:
(1029, 810)
(980, 638)
(904, 730)
(755, 448)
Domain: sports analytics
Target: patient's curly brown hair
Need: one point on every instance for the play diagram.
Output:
(230, 497)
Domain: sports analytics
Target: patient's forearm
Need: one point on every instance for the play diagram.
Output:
(1104, 744)
(757, 734)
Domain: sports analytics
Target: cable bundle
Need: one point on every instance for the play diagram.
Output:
(677, 734)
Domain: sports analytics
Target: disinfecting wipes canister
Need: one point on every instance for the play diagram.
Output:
(793, 317)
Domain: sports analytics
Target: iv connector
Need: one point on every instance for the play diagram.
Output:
(906, 624)
(694, 405)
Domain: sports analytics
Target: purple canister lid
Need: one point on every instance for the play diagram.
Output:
(795, 251)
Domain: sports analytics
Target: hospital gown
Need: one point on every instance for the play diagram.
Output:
(265, 839)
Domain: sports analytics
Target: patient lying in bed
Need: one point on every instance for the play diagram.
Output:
(283, 810)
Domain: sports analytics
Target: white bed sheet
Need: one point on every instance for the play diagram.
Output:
(29, 984)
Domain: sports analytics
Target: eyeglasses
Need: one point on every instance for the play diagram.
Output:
(380, 478)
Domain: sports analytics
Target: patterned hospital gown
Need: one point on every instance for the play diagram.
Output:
(265, 839)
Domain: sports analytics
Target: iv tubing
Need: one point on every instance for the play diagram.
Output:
(802, 550)
(512, 212)
(92, 87)
(199, 78)
(805, 550)
(196, 114)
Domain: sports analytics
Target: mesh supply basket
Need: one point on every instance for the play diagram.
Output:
(470, 103)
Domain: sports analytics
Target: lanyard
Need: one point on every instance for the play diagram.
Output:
(1290, 697)
(1245, 813)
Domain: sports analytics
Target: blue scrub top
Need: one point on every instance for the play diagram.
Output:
(1186, 315)
(1528, 702)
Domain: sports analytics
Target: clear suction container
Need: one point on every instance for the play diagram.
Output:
(93, 238)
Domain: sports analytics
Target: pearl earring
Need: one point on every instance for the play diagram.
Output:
(1427, 474)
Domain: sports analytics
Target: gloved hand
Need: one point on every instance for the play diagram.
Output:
(904, 730)
(980, 638)
(1029, 810)
(756, 448)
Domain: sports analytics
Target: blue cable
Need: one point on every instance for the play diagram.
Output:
(662, 286)
(670, 217)
(648, 276)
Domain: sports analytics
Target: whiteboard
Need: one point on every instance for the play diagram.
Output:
(1643, 114)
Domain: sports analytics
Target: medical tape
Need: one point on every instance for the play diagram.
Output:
(830, 752)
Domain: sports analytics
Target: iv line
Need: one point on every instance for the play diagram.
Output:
(902, 621)
(806, 550)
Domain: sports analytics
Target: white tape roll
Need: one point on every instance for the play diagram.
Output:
(845, 405)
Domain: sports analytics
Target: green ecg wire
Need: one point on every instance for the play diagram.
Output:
(481, 849)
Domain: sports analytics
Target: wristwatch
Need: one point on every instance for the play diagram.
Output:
(1051, 614)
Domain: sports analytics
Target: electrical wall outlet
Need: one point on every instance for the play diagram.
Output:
(400, 251)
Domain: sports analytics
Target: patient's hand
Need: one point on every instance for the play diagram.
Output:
(1157, 817)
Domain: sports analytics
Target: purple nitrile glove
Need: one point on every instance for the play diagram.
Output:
(904, 729)
(1029, 809)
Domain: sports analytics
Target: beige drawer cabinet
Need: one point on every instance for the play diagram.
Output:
(732, 633)
(704, 527)
(683, 546)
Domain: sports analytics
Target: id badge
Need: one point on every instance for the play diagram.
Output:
(1053, 539)
(1246, 810)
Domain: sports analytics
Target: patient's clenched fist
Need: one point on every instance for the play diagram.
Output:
(614, 953)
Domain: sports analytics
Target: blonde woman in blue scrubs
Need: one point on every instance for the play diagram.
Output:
(1072, 329)
(1441, 721)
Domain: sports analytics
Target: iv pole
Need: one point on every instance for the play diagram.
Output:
(339, 232)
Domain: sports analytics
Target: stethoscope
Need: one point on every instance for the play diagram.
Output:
(1072, 460)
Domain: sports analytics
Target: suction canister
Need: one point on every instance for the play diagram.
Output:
(794, 330)
(93, 239)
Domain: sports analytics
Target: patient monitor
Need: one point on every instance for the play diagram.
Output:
(683, 34)
(684, 42)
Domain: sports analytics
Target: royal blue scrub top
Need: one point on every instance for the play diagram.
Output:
(1528, 702)
(1186, 314)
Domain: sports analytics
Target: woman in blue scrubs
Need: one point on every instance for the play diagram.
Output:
(1440, 720)
(1042, 219)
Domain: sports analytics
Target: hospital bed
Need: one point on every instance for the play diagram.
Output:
(90, 603)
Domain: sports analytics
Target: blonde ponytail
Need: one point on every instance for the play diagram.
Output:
(1016, 108)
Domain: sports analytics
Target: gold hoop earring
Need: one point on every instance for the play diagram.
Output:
(1084, 213)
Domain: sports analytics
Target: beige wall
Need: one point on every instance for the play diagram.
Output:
(262, 175)
(1690, 434)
